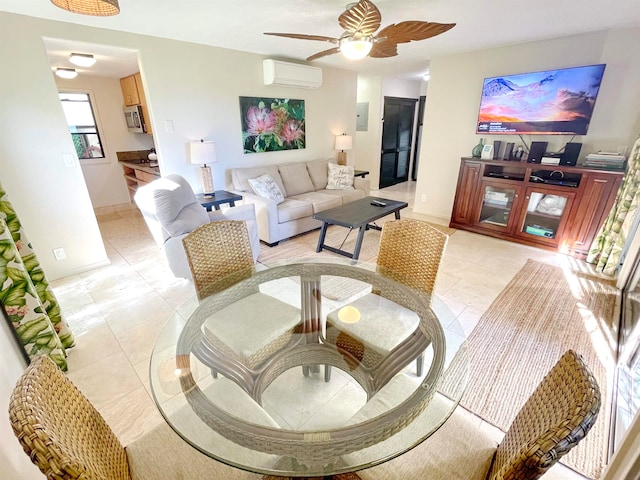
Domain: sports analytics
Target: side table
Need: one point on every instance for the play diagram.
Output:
(218, 198)
(360, 173)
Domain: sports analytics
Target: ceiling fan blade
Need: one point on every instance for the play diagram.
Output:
(324, 53)
(405, 32)
(363, 17)
(302, 36)
(383, 49)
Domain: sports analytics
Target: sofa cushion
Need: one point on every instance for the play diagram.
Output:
(340, 177)
(346, 195)
(319, 201)
(272, 321)
(292, 209)
(266, 187)
(240, 177)
(295, 178)
(318, 171)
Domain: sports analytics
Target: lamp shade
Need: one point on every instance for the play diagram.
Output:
(97, 8)
(201, 153)
(344, 142)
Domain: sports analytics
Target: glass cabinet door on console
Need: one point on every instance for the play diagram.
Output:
(546, 214)
(497, 205)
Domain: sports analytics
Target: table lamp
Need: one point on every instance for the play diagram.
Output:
(343, 142)
(202, 153)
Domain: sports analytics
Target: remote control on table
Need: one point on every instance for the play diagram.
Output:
(378, 203)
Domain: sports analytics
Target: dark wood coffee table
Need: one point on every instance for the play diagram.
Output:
(357, 214)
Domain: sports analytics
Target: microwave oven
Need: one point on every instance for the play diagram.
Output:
(135, 120)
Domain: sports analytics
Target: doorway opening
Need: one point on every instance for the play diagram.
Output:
(397, 139)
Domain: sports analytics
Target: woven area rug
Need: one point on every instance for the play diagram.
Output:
(304, 247)
(541, 313)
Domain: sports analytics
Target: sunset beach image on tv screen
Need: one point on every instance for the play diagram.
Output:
(548, 102)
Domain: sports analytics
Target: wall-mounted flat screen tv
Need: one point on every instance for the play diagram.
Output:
(552, 102)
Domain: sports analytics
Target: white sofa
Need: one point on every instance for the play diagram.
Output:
(303, 185)
(170, 209)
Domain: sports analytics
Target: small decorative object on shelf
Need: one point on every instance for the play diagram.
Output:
(477, 150)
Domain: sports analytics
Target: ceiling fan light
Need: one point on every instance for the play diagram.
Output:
(66, 72)
(82, 59)
(356, 48)
(97, 8)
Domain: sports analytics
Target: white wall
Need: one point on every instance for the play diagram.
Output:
(103, 176)
(50, 198)
(367, 144)
(197, 88)
(193, 86)
(454, 96)
(400, 87)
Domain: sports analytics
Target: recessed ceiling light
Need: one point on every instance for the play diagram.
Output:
(66, 72)
(82, 59)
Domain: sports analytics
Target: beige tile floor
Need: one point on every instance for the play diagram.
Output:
(118, 311)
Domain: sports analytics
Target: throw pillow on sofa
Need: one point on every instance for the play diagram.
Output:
(266, 187)
(340, 177)
(295, 178)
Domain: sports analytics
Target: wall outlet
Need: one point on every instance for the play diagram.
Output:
(423, 198)
(59, 253)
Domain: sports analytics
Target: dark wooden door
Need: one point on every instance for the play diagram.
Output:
(416, 149)
(397, 135)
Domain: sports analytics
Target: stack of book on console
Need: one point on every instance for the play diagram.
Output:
(498, 199)
(606, 160)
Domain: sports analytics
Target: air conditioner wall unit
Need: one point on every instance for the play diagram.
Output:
(285, 74)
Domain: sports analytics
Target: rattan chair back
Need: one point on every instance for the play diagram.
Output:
(411, 253)
(63, 434)
(219, 254)
(557, 415)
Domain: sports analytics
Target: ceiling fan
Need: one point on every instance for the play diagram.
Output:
(360, 22)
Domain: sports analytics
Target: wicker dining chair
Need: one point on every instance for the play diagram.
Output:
(553, 420)
(219, 255)
(410, 253)
(67, 438)
(217, 251)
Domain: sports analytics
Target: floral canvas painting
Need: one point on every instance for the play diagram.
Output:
(272, 124)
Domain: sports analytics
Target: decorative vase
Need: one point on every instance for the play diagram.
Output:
(477, 150)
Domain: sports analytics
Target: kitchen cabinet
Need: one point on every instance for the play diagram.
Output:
(137, 174)
(133, 94)
(549, 206)
(467, 180)
(129, 91)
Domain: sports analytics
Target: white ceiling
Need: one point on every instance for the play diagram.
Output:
(240, 25)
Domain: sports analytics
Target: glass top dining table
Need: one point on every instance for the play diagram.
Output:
(276, 413)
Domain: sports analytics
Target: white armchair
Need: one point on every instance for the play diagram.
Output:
(171, 211)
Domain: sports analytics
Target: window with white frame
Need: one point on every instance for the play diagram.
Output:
(82, 125)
